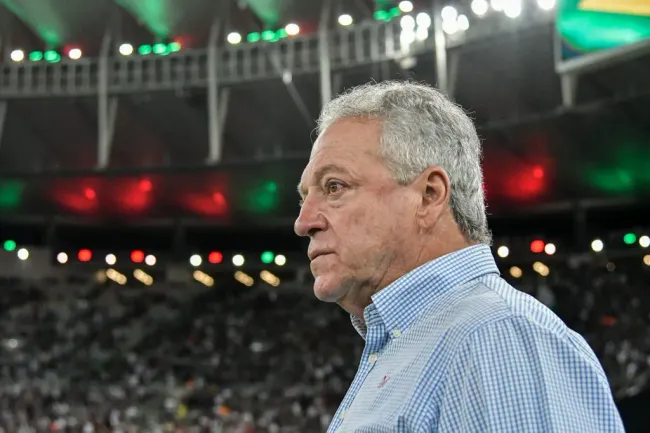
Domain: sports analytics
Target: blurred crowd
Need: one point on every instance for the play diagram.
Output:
(107, 358)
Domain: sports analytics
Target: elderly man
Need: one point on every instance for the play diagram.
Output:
(393, 204)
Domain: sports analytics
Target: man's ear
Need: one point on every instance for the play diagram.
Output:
(434, 187)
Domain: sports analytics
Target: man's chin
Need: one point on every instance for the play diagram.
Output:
(328, 289)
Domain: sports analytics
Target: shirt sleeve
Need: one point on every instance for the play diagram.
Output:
(515, 376)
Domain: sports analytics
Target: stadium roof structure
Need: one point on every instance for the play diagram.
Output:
(123, 109)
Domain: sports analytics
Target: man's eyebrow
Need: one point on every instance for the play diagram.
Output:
(320, 173)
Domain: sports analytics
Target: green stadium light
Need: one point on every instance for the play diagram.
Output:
(159, 48)
(267, 257)
(629, 238)
(36, 56)
(281, 34)
(174, 47)
(254, 37)
(268, 35)
(144, 50)
(51, 56)
(9, 245)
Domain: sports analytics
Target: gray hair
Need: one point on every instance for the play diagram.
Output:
(422, 128)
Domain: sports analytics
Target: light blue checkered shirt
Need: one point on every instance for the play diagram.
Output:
(451, 347)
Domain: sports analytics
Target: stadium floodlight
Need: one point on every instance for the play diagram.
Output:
(75, 54)
(407, 23)
(463, 22)
(17, 55)
(126, 49)
(111, 259)
(23, 254)
(195, 260)
(644, 241)
(546, 5)
(550, 249)
(449, 13)
(62, 258)
(597, 245)
(405, 6)
(450, 27)
(480, 7)
(345, 19)
(233, 38)
(238, 260)
(292, 29)
(512, 8)
(497, 5)
(503, 251)
(423, 20)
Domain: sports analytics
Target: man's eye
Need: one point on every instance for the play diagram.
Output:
(333, 187)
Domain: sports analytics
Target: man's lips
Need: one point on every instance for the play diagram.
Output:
(316, 253)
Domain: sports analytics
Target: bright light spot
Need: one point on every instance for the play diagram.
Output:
(407, 22)
(541, 269)
(512, 8)
(546, 5)
(597, 245)
(292, 29)
(75, 54)
(644, 241)
(503, 251)
(126, 49)
(195, 260)
(62, 258)
(238, 260)
(449, 13)
(233, 38)
(405, 6)
(497, 5)
(550, 249)
(480, 7)
(406, 38)
(449, 27)
(423, 20)
(150, 260)
(17, 55)
(23, 254)
(646, 259)
(345, 19)
(111, 259)
(90, 193)
(422, 33)
(463, 22)
(280, 260)
(516, 272)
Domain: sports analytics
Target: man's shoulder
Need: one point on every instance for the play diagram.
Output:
(480, 303)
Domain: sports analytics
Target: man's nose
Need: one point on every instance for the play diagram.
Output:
(310, 219)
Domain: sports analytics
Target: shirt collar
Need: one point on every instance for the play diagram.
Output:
(402, 301)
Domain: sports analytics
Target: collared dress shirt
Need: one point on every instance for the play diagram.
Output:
(451, 347)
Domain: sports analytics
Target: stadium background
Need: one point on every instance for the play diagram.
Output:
(149, 153)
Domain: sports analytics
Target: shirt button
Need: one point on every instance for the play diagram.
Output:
(396, 332)
(372, 358)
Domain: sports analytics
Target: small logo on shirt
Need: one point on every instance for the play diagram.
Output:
(383, 382)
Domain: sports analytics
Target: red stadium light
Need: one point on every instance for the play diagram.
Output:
(85, 255)
(137, 256)
(145, 185)
(90, 194)
(538, 172)
(215, 257)
(537, 246)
